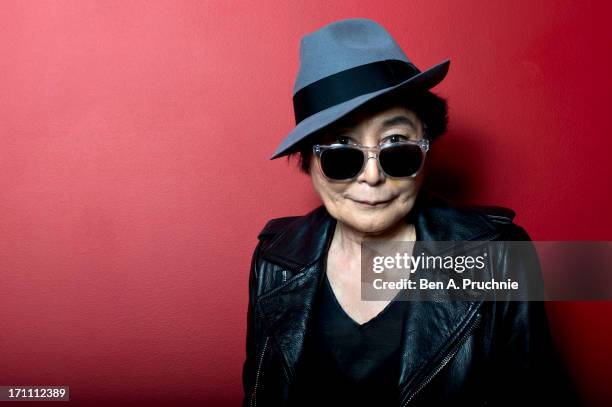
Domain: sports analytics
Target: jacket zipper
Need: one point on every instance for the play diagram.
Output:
(261, 356)
(446, 359)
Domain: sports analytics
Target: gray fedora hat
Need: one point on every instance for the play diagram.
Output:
(344, 65)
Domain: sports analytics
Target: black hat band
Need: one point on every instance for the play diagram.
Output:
(351, 83)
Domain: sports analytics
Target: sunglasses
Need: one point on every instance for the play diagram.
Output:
(344, 162)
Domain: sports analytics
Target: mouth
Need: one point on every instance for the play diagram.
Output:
(371, 204)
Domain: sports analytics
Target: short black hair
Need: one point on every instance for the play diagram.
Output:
(430, 108)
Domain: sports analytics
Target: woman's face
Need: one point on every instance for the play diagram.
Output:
(373, 202)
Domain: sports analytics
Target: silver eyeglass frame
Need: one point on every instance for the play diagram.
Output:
(318, 150)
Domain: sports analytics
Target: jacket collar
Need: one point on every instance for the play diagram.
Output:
(302, 247)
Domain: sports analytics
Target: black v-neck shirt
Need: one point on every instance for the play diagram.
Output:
(347, 362)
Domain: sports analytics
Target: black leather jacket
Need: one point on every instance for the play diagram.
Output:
(454, 353)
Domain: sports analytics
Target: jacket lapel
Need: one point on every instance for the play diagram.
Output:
(286, 309)
(430, 328)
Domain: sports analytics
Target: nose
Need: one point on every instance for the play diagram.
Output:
(371, 174)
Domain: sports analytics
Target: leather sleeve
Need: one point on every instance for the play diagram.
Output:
(527, 368)
(248, 369)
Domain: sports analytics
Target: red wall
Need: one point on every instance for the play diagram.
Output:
(134, 171)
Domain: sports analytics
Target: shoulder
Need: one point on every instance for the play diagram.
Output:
(496, 214)
(447, 220)
(275, 226)
(313, 223)
(502, 218)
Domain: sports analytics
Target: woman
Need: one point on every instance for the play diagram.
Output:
(365, 121)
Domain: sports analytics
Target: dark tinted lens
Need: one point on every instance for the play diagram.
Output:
(341, 163)
(401, 160)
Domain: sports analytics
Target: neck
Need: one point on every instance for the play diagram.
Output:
(348, 240)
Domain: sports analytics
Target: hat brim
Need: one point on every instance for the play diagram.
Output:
(422, 81)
